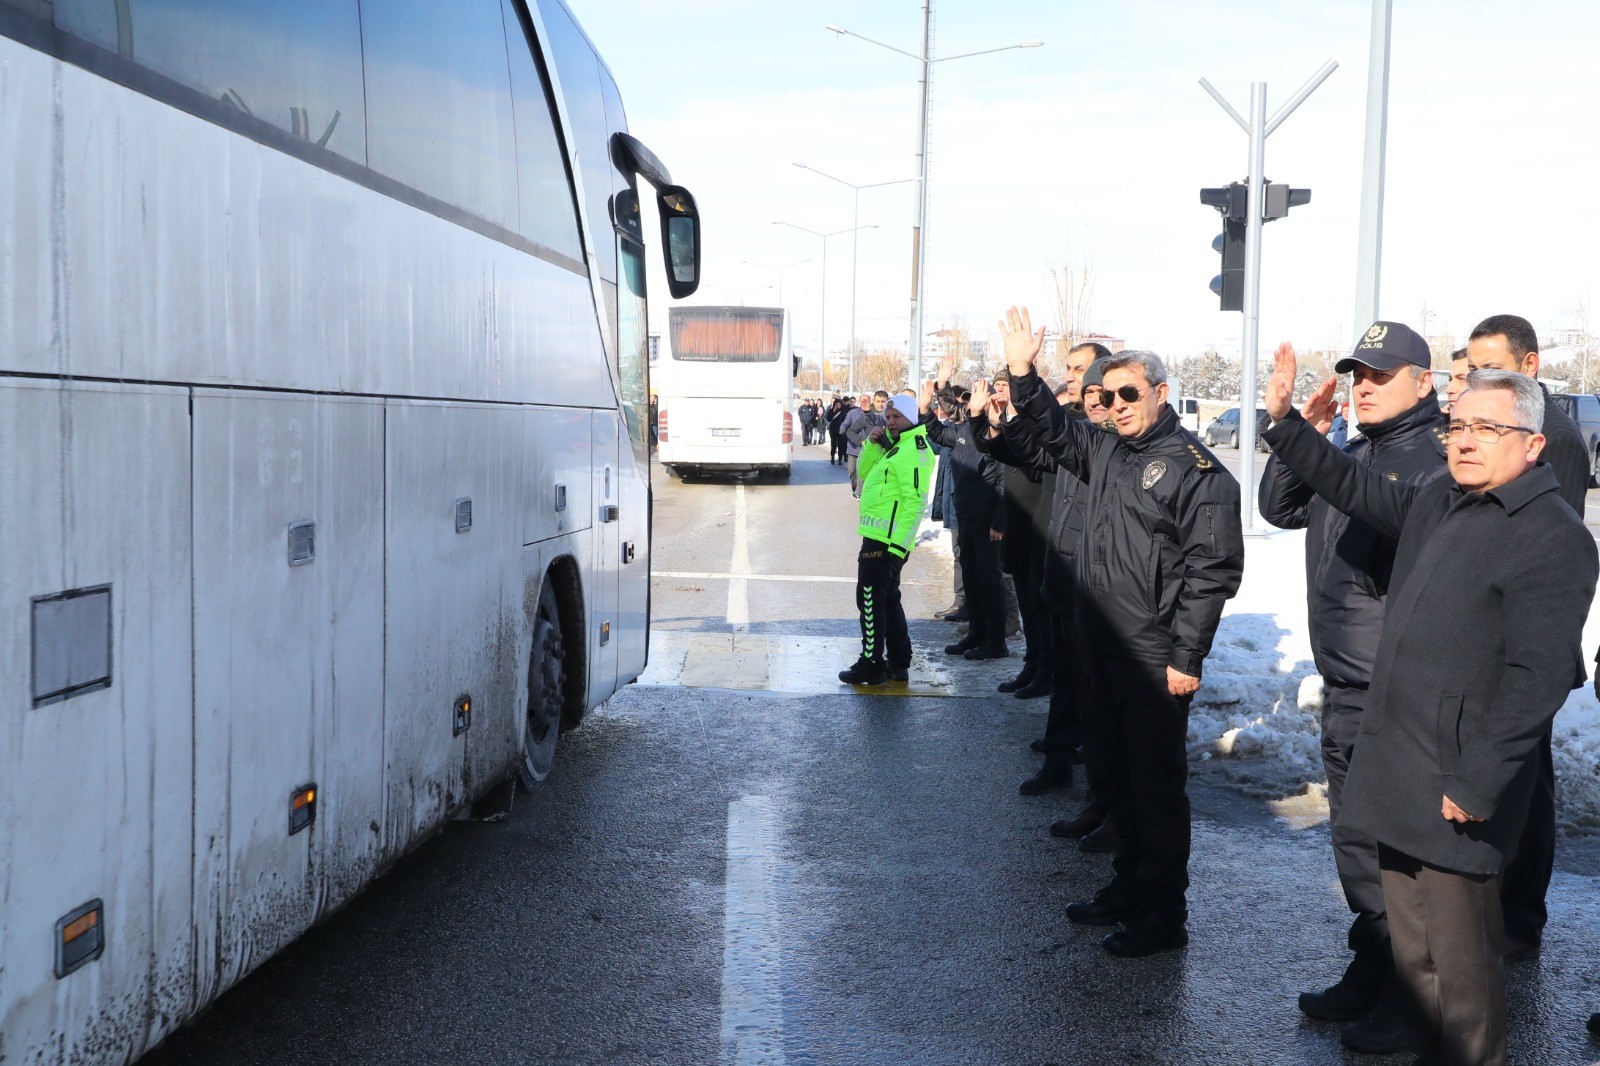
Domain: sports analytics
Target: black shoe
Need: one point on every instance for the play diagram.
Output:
(1081, 824)
(1055, 773)
(962, 646)
(1594, 1024)
(1146, 937)
(1038, 746)
(897, 673)
(958, 615)
(987, 651)
(1379, 1033)
(1107, 908)
(1103, 840)
(1354, 995)
(1022, 680)
(1515, 949)
(864, 672)
(1039, 686)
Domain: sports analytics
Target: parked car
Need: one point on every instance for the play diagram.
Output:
(1584, 409)
(1224, 429)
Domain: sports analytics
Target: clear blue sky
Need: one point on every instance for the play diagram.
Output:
(1091, 149)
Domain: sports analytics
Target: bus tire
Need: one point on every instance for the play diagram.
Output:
(547, 687)
(780, 473)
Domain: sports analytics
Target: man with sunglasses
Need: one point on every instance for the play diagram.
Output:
(1160, 553)
(1347, 576)
(1492, 580)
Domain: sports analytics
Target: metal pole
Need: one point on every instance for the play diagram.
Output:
(855, 240)
(822, 342)
(1369, 239)
(1252, 306)
(919, 231)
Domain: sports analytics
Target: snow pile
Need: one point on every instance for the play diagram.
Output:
(1256, 720)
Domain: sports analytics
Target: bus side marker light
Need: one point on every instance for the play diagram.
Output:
(302, 808)
(605, 633)
(463, 715)
(80, 938)
(561, 497)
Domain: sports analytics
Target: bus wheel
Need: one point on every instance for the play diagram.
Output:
(547, 688)
(780, 473)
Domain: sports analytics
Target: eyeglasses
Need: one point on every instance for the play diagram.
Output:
(1128, 393)
(1483, 432)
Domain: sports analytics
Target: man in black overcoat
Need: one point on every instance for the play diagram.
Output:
(1493, 577)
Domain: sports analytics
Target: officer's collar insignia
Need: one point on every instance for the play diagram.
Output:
(1153, 473)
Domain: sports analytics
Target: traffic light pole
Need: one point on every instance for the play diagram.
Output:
(1259, 127)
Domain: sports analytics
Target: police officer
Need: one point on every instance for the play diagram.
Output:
(896, 467)
(1348, 564)
(1160, 555)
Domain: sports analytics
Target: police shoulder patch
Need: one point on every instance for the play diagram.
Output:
(1200, 460)
(922, 444)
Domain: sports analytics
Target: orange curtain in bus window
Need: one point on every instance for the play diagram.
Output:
(748, 337)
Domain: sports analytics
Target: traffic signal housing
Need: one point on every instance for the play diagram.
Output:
(1232, 202)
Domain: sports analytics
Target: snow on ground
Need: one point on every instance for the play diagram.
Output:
(1256, 720)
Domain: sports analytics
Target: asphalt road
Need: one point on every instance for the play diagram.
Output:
(816, 876)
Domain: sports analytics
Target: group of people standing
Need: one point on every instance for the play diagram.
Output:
(1449, 575)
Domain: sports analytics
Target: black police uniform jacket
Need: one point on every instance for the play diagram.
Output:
(1348, 563)
(1030, 485)
(1481, 642)
(977, 481)
(1161, 549)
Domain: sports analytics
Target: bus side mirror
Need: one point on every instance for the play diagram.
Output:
(796, 366)
(680, 239)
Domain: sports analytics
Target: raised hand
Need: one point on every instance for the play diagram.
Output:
(980, 398)
(1022, 343)
(1280, 387)
(925, 398)
(1320, 408)
(947, 369)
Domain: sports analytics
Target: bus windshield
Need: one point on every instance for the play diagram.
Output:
(726, 334)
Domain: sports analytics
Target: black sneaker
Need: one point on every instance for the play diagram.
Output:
(987, 651)
(897, 673)
(864, 672)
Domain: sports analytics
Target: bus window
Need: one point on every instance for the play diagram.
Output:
(578, 70)
(549, 214)
(439, 102)
(726, 335)
(633, 341)
(295, 64)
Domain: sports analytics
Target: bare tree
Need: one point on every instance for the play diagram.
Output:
(1072, 305)
(1209, 376)
(1582, 367)
(880, 368)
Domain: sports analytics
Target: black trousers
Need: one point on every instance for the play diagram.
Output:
(884, 636)
(982, 581)
(1063, 729)
(835, 446)
(1036, 626)
(1137, 734)
(1355, 854)
(1527, 876)
(1446, 930)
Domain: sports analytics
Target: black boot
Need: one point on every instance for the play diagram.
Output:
(1022, 680)
(1055, 773)
(1355, 993)
(863, 672)
(1039, 746)
(1109, 906)
(1147, 934)
(1383, 1032)
(962, 646)
(988, 650)
(1081, 824)
(1039, 686)
(1594, 1024)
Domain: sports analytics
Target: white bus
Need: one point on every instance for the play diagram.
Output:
(725, 387)
(324, 495)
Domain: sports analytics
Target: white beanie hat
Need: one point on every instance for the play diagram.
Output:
(906, 406)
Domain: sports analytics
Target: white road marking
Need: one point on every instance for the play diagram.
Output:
(752, 1009)
(739, 587)
(708, 576)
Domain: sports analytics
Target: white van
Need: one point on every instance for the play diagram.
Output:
(725, 387)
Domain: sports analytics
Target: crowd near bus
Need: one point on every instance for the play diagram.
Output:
(1449, 577)
(324, 430)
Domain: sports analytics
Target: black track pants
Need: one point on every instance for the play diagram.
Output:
(884, 636)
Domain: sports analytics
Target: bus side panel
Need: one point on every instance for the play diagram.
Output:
(556, 492)
(633, 578)
(94, 788)
(454, 614)
(288, 667)
(604, 561)
(28, 272)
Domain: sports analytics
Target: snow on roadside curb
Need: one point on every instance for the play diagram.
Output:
(1255, 722)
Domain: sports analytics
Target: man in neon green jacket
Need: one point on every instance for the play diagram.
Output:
(896, 471)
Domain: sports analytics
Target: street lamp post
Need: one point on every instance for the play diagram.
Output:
(855, 218)
(919, 229)
(822, 329)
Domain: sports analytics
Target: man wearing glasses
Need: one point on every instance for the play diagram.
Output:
(1160, 553)
(1493, 577)
(1347, 576)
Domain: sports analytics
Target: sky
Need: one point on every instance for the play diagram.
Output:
(1089, 152)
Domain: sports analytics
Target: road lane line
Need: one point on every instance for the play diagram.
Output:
(752, 1009)
(738, 587)
(710, 576)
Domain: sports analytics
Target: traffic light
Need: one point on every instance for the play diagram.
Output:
(1232, 202)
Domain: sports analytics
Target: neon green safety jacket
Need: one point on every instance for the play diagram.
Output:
(894, 489)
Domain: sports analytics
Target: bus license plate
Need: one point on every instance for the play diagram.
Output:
(724, 432)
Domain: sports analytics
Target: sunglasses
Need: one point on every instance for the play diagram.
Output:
(1128, 393)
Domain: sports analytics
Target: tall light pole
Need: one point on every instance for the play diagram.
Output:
(1369, 240)
(855, 218)
(919, 227)
(778, 269)
(822, 330)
